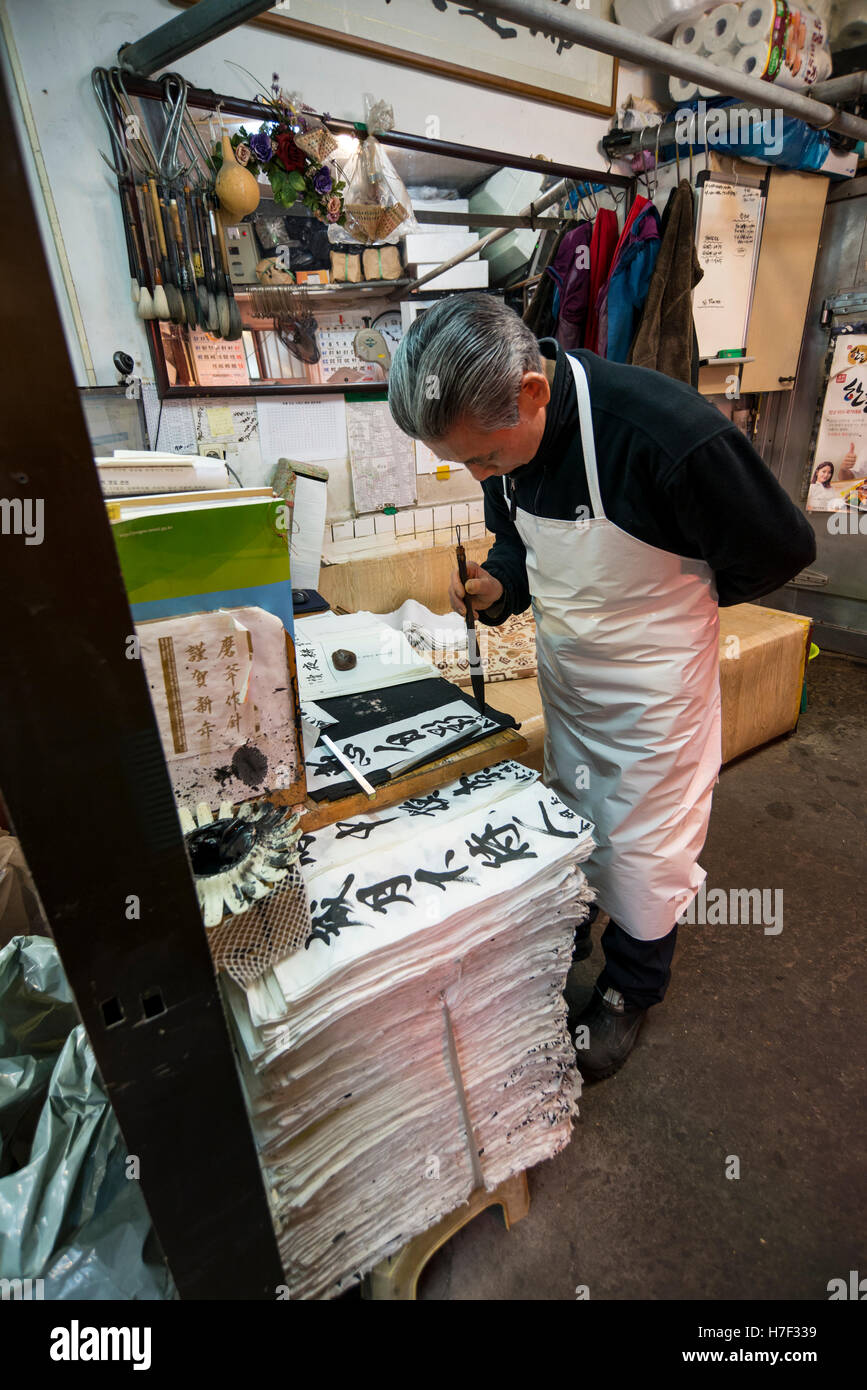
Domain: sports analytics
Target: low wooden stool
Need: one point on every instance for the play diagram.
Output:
(397, 1277)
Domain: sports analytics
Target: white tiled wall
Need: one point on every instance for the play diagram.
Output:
(413, 528)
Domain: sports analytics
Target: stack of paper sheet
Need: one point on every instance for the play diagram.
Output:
(417, 1048)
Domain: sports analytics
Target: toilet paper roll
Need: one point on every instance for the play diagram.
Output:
(682, 90)
(719, 29)
(756, 21)
(688, 36)
(751, 60)
(849, 24)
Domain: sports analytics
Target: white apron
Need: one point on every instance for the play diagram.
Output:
(627, 641)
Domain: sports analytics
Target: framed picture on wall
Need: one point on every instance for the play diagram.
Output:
(462, 42)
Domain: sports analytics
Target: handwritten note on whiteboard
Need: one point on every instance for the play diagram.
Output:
(727, 241)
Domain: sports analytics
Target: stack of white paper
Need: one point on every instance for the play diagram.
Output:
(417, 1048)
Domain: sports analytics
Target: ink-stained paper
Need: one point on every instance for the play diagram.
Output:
(418, 737)
(222, 691)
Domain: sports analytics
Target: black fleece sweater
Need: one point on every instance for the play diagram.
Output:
(673, 472)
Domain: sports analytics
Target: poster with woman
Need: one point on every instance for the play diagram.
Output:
(840, 460)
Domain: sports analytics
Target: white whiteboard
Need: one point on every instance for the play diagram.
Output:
(727, 239)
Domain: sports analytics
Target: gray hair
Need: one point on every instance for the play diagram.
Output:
(463, 359)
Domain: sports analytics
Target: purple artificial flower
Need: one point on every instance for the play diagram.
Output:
(261, 147)
(322, 181)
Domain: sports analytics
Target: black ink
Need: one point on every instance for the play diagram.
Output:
(360, 830)
(446, 876)
(403, 740)
(424, 805)
(548, 828)
(335, 914)
(381, 895)
(250, 765)
(499, 846)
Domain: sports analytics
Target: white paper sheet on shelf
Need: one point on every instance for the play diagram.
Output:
(308, 429)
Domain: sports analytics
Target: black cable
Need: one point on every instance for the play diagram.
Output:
(233, 473)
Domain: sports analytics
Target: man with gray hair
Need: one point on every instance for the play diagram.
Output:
(625, 508)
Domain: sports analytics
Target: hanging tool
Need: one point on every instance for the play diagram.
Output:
(475, 660)
(196, 255)
(173, 294)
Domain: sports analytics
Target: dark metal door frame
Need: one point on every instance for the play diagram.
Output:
(86, 786)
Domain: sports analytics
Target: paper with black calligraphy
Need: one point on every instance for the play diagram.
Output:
(223, 701)
(383, 895)
(392, 744)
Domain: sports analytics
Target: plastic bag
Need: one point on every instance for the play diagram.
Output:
(20, 911)
(376, 203)
(69, 1215)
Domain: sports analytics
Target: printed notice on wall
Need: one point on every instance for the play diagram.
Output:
(218, 361)
(381, 456)
(839, 476)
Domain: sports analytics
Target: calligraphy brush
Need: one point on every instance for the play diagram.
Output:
(476, 674)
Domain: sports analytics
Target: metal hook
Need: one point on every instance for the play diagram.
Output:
(99, 81)
(175, 100)
(146, 165)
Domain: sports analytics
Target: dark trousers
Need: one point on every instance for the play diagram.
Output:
(640, 970)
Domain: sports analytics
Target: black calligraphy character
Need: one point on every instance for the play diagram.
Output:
(499, 846)
(446, 876)
(303, 844)
(488, 20)
(335, 914)
(399, 741)
(356, 754)
(424, 805)
(470, 782)
(361, 829)
(311, 665)
(549, 829)
(381, 895)
(451, 724)
(328, 766)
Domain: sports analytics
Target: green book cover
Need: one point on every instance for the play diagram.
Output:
(196, 551)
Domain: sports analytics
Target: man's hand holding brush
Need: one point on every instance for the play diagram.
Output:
(482, 588)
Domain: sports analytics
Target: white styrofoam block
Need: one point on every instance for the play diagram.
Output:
(384, 525)
(442, 516)
(469, 275)
(437, 244)
(364, 526)
(423, 519)
(477, 530)
(477, 511)
(460, 514)
(441, 204)
(342, 531)
(404, 524)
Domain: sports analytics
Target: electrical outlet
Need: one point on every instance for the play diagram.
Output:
(210, 449)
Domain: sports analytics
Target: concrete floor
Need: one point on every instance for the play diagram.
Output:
(757, 1052)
